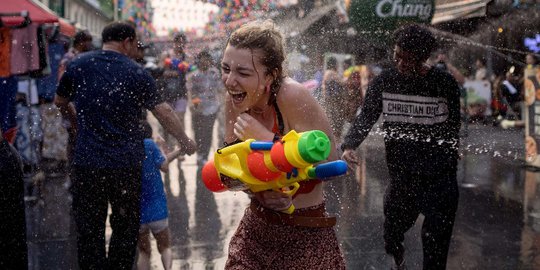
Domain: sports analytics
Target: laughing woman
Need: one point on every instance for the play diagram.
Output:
(263, 104)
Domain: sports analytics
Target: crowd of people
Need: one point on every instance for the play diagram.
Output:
(115, 156)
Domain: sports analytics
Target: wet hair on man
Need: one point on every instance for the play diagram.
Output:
(81, 37)
(415, 39)
(118, 31)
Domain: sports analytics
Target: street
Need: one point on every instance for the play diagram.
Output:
(497, 224)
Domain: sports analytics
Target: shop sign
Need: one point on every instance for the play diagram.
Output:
(379, 18)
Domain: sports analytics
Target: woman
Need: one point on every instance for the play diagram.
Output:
(263, 104)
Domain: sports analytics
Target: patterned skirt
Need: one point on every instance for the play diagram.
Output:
(259, 245)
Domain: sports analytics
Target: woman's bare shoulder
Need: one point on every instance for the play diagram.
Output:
(291, 91)
(298, 105)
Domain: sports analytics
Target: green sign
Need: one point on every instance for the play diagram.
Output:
(377, 19)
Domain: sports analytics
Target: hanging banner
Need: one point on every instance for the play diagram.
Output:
(377, 19)
(532, 115)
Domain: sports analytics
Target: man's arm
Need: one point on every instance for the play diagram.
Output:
(366, 119)
(67, 110)
(170, 122)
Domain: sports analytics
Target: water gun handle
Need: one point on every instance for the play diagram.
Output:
(289, 210)
(329, 169)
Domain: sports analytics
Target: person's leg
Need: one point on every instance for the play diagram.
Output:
(124, 194)
(439, 208)
(180, 111)
(145, 249)
(90, 213)
(400, 214)
(206, 140)
(196, 125)
(203, 128)
(163, 239)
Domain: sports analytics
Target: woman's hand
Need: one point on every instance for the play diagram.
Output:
(247, 127)
(274, 200)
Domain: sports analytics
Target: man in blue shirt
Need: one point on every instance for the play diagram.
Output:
(110, 91)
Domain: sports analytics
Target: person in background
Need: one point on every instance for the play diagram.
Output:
(109, 91)
(154, 212)
(421, 121)
(531, 60)
(82, 42)
(442, 63)
(333, 93)
(264, 105)
(205, 90)
(354, 99)
(172, 83)
(511, 92)
(481, 72)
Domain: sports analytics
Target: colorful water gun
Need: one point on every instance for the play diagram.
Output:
(260, 165)
(179, 65)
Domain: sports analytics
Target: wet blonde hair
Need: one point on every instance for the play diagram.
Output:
(263, 36)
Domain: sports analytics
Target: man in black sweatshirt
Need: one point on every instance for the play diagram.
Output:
(420, 107)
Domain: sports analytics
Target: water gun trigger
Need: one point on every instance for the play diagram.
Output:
(288, 190)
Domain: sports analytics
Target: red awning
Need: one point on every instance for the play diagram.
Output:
(66, 28)
(37, 13)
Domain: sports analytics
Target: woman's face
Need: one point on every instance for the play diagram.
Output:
(244, 78)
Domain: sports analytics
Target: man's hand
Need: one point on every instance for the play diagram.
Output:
(170, 122)
(349, 155)
(188, 147)
(274, 200)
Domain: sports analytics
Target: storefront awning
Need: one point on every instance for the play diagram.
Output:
(449, 10)
(37, 13)
(66, 28)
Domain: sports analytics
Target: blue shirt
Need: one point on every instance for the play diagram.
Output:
(153, 200)
(109, 91)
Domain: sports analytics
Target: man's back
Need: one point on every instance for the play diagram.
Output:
(109, 92)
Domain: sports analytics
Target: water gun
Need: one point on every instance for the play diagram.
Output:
(279, 166)
(179, 65)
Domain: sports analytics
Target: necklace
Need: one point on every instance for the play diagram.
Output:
(256, 110)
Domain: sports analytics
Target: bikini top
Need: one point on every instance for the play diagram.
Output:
(279, 130)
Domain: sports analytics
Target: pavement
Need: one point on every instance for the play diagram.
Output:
(497, 224)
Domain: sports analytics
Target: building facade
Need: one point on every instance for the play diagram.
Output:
(180, 15)
(84, 14)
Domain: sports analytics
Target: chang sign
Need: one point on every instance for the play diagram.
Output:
(378, 18)
(396, 8)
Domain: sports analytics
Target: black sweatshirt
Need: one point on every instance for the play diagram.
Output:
(421, 119)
